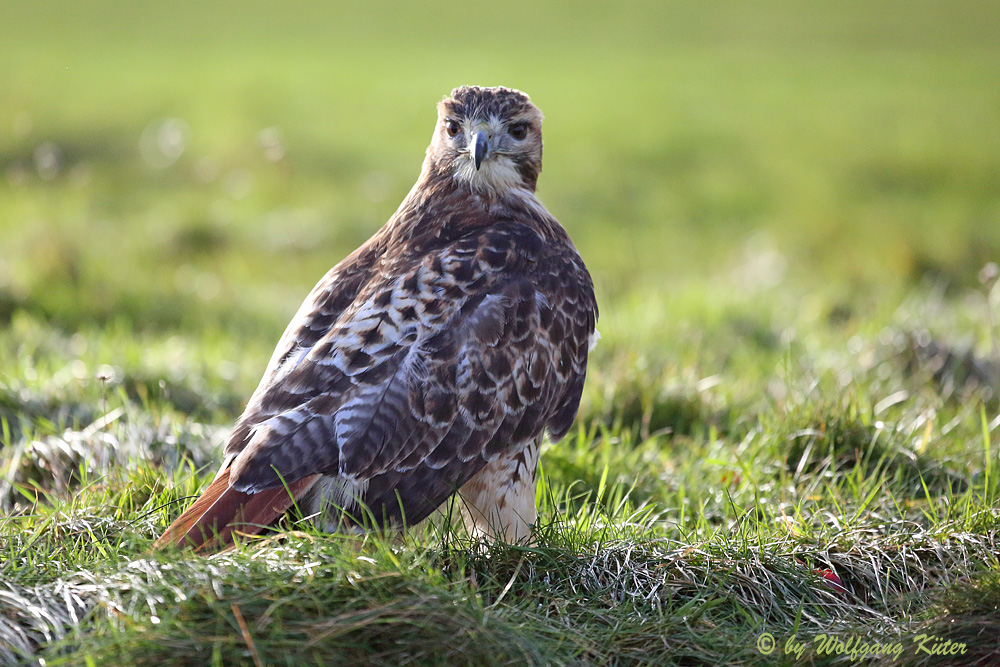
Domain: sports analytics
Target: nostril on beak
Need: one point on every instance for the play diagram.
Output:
(480, 148)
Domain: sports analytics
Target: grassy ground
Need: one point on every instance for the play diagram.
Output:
(790, 211)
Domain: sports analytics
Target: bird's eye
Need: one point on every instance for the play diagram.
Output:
(518, 130)
(452, 127)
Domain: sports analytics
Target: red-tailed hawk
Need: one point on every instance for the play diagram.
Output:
(427, 362)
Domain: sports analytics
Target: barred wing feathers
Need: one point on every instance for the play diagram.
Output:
(409, 369)
(437, 367)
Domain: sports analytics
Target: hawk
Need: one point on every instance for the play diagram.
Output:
(428, 362)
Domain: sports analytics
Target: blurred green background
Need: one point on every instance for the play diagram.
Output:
(175, 177)
(790, 208)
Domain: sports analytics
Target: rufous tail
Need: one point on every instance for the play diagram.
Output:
(220, 512)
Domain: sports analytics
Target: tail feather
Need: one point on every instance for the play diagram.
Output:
(210, 523)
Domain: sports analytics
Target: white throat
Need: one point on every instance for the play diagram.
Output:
(496, 175)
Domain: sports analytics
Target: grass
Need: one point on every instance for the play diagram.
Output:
(789, 210)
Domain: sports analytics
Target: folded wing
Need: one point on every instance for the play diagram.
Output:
(440, 364)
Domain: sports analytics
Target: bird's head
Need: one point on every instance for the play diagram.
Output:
(489, 138)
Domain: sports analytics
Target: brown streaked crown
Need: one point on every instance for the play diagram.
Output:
(481, 102)
(516, 161)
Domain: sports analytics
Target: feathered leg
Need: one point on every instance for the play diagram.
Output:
(499, 501)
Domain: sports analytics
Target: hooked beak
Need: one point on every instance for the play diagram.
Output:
(480, 147)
